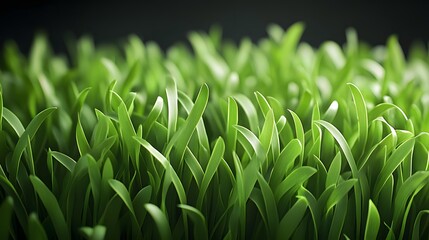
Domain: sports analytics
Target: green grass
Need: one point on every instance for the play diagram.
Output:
(215, 140)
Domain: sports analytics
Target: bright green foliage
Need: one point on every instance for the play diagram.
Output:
(266, 140)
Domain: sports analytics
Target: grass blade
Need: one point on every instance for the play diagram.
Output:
(291, 220)
(160, 221)
(6, 210)
(372, 222)
(52, 207)
(36, 229)
(211, 169)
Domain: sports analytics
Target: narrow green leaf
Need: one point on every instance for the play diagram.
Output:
(343, 145)
(416, 226)
(247, 138)
(181, 138)
(250, 111)
(141, 198)
(6, 210)
(13, 121)
(160, 221)
(334, 171)
(19, 207)
(397, 157)
(337, 223)
(52, 207)
(35, 228)
(231, 121)
(168, 168)
(372, 222)
(299, 131)
(362, 116)
(295, 178)
(311, 201)
(82, 142)
(200, 227)
(123, 193)
(211, 169)
(411, 186)
(340, 192)
(291, 220)
(171, 91)
(270, 204)
(29, 133)
(80, 100)
(195, 167)
(65, 160)
(263, 103)
(286, 159)
(152, 116)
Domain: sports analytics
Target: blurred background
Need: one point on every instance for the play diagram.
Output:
(168, 23)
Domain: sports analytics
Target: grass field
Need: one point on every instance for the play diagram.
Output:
(215, 140)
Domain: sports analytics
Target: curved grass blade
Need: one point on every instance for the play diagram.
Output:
(286, 159)
(181, 138)
(195, 167)
(171, 91)
(80, 100)
(29, 133)
(416, 226)
(200, 227)
(82, 142)
(266, 135)
(362, 116)
(13, 121)
(397, 157)
(65, 160)
(337, 223)
(231, 121)
(409, 188)
(381, 108)
(291, 220)
(168, 168)
(250, 111)
(20, 210)
(152, 116)
(141, 198)
(35, 228)
(6, 210)
(95, 182)
(160, 221)
(296, 177)
(299, 131)
(211, 169)
(334, 171)
(312, 204)
(250, 142)
(52, 207)
(339, 193)
(270, 204)
(201, 130)
(123, 193)
(343, 145)
(372, 222)
(263, 103)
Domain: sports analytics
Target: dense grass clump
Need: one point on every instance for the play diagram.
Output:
(216, 140)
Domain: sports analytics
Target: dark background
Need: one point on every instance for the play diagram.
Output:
(167, 23)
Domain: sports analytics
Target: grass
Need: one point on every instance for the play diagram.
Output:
(270, 140)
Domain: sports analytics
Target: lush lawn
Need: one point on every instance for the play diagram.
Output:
(273, 139)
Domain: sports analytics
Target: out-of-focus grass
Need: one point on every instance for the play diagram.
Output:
(269, 140)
